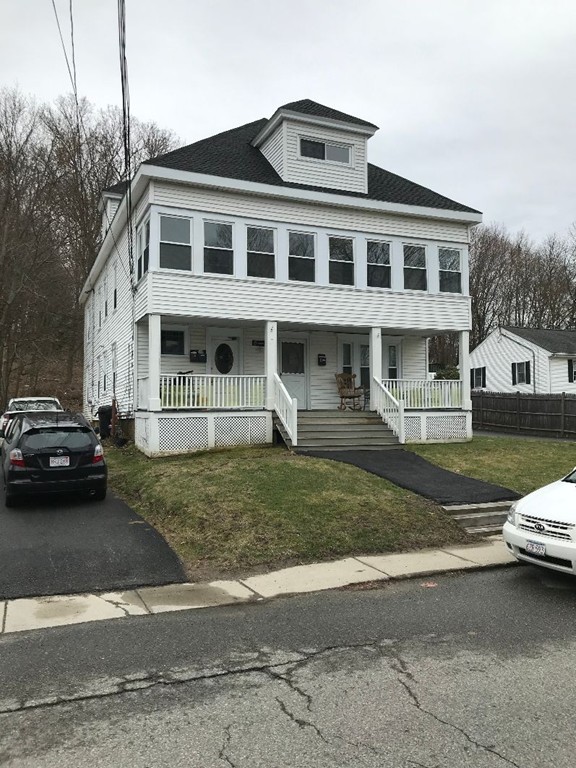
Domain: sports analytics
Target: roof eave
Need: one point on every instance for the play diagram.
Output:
(324, 122)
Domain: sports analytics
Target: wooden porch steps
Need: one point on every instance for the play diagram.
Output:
(340, 431)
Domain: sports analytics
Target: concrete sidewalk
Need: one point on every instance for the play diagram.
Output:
(59, 610)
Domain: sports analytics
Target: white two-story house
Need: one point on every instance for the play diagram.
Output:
(247, 269)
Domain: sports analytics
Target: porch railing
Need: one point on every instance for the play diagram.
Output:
(421, 394)
(287, 409)
(389, 409)
(185, 391)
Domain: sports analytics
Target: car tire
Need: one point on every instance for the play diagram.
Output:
(99, 495)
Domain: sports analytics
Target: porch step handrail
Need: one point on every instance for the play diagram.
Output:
(426, 395)
(389, 409)
(212, 391)
(287, 409)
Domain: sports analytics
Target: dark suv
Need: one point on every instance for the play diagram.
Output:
(46, 452)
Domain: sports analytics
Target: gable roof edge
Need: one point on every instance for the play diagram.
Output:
(325, 122)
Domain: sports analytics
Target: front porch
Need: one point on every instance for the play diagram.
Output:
(242, 378)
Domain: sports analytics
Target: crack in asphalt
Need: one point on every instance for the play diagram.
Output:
(222, 755)
(400, 666)
(300, 722)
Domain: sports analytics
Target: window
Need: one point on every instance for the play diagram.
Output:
(521, 373)
(392, 362)
(143, 250)
(114, 366)
(260, 247)
(301, 260)
(478, 378)
(99, 307)
(415, 267)
(341, 251)
(171, 342)
(571, 377)
(218, 253)
(450, 278)
(105, 296)
(322, 150)
(104, 372)
(378, 256)
(175, 248)
(115, 291)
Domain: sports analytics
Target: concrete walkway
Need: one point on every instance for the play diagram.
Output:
(59, 610)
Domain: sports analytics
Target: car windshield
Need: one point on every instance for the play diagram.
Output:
(72, 438)
(35, 405)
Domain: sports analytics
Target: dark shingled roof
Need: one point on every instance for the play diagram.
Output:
(117, 189)
(309, 107)
(231, 155)
(557, 342)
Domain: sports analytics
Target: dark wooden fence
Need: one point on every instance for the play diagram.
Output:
(545, 415)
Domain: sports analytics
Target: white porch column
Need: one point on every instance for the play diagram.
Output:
(375, 360)
(154, 402)
(271, 350)
(464, 368)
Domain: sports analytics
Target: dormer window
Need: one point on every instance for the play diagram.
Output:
(323, 150)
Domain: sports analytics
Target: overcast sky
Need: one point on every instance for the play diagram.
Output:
(474, 98)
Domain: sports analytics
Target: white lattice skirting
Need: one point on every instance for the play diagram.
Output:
(438, 427)
(158, 434)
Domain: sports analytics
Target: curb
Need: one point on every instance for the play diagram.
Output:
(30, 613)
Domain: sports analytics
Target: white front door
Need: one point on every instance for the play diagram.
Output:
(293, 370)
(224, 356)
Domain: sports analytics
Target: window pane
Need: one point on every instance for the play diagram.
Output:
(341, 273)
(220, 261)
(392, 360)
(364, 355)
(415, 279)
(449, 258)
(173, 256)
(174, 230)
(292, 357)
(301, 269)
(378, 277)
(172, 342)
(450, 282)
(341, 248)
(378, 253)
(312, 149)
(337, 154)
(217, 235)
(414, 256)
(301, 244)
(73, 439)
(261, 240)
(260, 265)
(347, 354)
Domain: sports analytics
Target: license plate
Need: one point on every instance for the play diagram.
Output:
(535, 548)
(59, 461)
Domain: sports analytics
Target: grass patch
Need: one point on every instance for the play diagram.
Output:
(517, 463)
(262, 506)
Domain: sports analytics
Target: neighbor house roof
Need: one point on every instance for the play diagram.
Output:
(231, 155)
(556, 342)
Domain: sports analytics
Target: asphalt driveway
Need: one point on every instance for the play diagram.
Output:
(52, 546)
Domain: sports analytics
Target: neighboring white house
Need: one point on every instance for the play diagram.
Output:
(531, 360)
(265, 260)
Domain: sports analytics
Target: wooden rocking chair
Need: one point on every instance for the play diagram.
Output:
(349, 393)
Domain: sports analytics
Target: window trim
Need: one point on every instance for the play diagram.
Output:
(473, 376)
(313, 259)
(174, 329)
(142, 262)
(272, 253)
(527, 378)
(449, 271)
(325, 161)
(371, 264)
(343, 261)
(175, 242)
(420, 269)
(218, 248)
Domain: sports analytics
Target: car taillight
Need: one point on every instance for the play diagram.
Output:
(98, 455)
(16, 458)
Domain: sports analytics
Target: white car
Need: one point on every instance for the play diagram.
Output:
(541, 527)
(18, 404)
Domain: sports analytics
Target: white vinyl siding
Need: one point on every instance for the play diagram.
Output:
(559, 381)
(273, 150)
(323, 391)
(321, 215)
(413, 358)
(229, 298)
(320, 173)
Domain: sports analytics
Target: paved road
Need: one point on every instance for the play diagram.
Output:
(468, 670)
(51, 546)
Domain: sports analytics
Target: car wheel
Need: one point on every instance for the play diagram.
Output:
(99, 495)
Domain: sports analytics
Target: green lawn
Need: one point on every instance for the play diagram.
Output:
(521, 464)
(261, 507)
